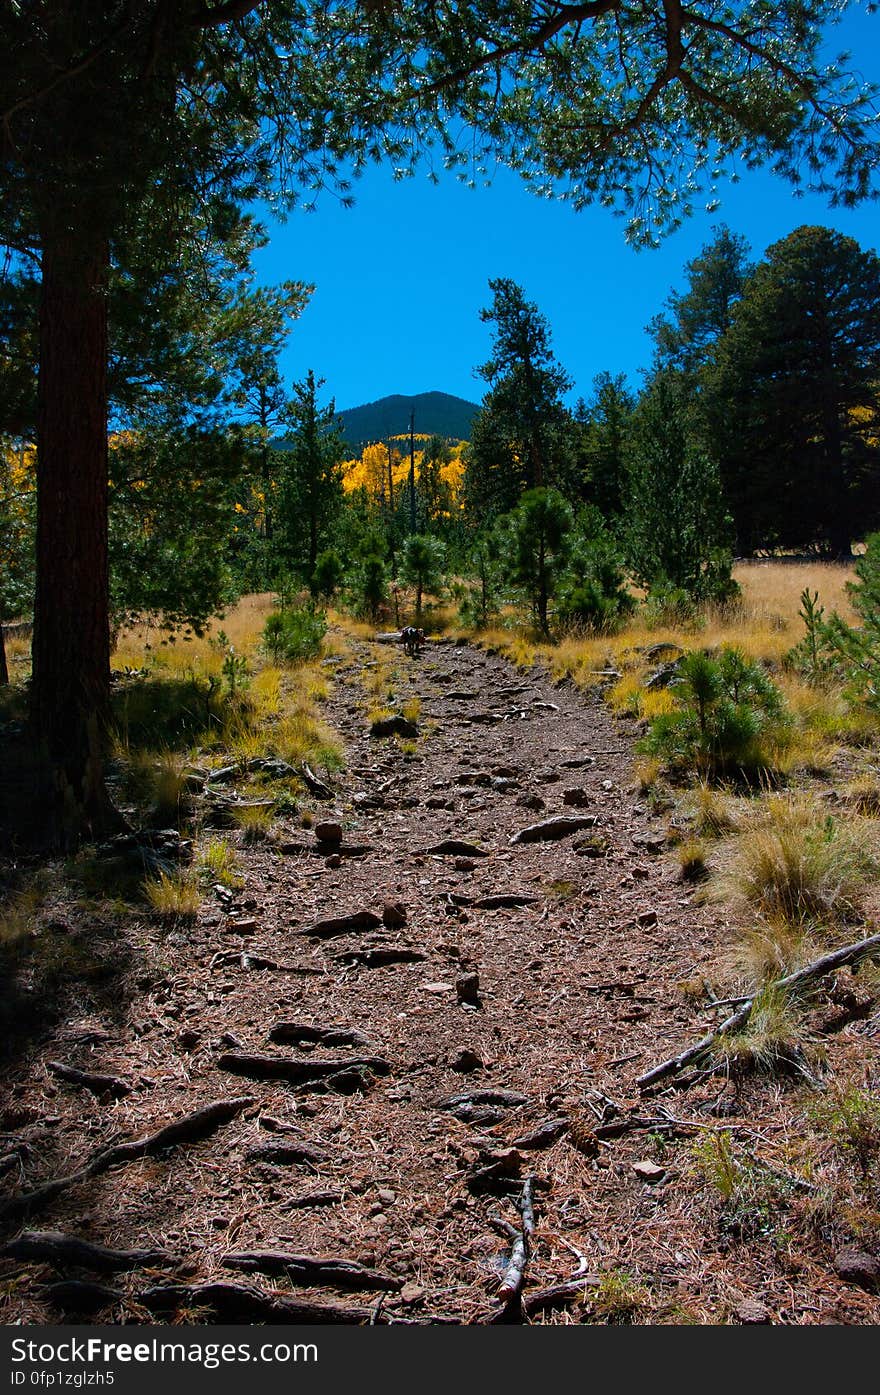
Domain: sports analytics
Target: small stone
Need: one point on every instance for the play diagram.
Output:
(411, 1293)
(188, 1038)
(248, 926)
(436, 988)
(328, 832)
(647, 919)
(751, 1312)
(393, 915)
(464, 864)
(608, 786)
(856, 1266)
(531, 801)
(465, 1061)
(386, 1196)
(467, 988)
(334, 860)
(650, 1172)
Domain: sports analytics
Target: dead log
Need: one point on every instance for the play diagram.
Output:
(302, 1033)
(190, 1129)
(848, 954)
(550, 829)
(341, 925)
(296, 1072)
(99, 1084)
(57, 1248)
(236, 1303)
(310, 1271)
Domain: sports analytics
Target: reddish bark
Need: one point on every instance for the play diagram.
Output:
(70, 692)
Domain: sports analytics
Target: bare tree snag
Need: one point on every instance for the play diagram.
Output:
(849, 954)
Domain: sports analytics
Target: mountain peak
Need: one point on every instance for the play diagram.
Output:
(435, 414)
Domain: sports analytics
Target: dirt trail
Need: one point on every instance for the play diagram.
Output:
(577, 994)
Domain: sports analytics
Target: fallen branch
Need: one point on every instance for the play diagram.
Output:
(298, 1033)
(308, 1270)
(98, 1084)
(189, 1129)
(341, 925)
(849, 954)
(512, 1279)
(541, 1300)
(54, 1247)
(297, 1072)
(238, 1303)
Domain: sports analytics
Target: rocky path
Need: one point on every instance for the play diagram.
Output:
(490, 1009)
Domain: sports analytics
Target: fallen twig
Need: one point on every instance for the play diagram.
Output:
(819, 967)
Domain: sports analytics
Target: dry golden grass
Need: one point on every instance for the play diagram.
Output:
(173, 896)
(797, 865)
(242, 624)
(774, 588)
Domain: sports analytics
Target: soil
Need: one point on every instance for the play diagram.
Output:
(579, 989)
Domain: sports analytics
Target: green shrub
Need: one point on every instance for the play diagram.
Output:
(328, 574)
(293, 636)
(727, 714)
(368, 588)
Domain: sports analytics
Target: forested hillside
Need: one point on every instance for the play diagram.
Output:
(433, 414)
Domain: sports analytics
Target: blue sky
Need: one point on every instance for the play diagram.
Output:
(401, 277)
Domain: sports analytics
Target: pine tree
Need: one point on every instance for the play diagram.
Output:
(791, 401)
(105, 109)
(311, 485)
(677, 530)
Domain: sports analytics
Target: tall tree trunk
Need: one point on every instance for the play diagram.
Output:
(70, 691)
(4, 669)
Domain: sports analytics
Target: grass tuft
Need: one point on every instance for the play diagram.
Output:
(173, 896)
